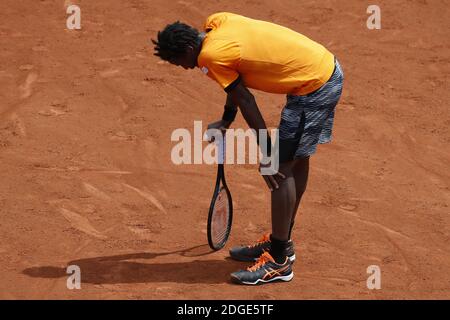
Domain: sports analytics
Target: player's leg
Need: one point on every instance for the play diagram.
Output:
(301, 172)
(275, 265)
(284, 202)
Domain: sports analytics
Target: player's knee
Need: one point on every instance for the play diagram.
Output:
(287, 168)
(287, 184)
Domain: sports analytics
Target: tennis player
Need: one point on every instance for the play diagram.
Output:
(240, 53)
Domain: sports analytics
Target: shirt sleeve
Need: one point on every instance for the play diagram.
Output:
(219, 60)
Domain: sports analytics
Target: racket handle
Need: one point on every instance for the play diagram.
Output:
(222, 148)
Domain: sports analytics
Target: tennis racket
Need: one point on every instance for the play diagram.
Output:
(221, 209)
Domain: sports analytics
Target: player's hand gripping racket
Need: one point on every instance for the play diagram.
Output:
(221, 210)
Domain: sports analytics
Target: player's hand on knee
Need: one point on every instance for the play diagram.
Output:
(272, 180)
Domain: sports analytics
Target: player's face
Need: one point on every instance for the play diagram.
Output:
(182, 62)
(187, 60)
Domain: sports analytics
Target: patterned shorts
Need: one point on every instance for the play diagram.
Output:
(307, 121)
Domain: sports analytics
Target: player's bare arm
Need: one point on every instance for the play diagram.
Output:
(242, 97)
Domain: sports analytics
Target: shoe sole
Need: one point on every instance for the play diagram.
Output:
(287, 278)
(248, 259)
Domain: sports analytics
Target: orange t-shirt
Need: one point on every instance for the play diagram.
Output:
(268, 57)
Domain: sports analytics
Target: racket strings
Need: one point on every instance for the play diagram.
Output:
(220, 219)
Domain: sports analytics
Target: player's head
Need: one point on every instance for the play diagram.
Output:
(178, 44)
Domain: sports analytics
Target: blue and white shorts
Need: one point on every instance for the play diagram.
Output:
(307, 121)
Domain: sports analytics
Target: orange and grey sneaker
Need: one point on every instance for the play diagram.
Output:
(265, 270)
(253, 252)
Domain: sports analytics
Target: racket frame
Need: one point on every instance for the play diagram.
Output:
(220, 178)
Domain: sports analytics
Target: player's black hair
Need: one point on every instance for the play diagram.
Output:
(174, 40)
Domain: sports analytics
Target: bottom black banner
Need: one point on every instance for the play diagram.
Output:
(228, 309)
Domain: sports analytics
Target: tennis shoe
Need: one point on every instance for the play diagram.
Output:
(265, 270)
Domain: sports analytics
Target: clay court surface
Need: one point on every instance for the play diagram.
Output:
(87, 179)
